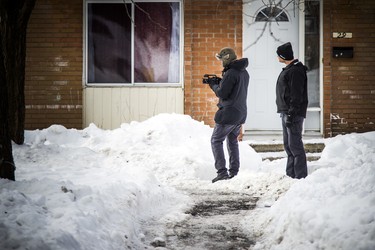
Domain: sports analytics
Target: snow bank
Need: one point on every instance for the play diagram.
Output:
(104, 189)
(333, 208)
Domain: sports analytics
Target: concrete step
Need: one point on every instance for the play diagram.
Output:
(276, 147)
(275, 151)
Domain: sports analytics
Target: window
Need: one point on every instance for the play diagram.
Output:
(133, 43)
(271, 14)
(312, 49)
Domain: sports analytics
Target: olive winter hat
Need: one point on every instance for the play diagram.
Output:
(226, 55)
(285, 51)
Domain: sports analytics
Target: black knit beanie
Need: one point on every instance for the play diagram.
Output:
(285, 51)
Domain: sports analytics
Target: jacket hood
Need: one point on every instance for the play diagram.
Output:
(297, 63)
(240, 64)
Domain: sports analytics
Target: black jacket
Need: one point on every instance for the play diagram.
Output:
(291, 90)
(232, 93)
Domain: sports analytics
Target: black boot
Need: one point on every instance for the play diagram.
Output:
(219, 177)
(231, 176)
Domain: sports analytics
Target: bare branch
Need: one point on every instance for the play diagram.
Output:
(127, 12)
(261, 34)
(149, 16)
(145, 12)
(217, 7)
(273, 18)
(271, 33)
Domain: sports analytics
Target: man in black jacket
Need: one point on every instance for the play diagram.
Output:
(291, 101)
(232, 93)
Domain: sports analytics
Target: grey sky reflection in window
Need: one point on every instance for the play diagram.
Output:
(157, 39)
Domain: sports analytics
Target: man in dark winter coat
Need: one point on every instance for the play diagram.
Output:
(232, 93)
(291, 101)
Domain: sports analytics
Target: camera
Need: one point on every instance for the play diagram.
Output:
(211, 79)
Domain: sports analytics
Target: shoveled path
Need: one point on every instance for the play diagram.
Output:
(213, 223)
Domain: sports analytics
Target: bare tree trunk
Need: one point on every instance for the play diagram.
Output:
(7, 168)
(14, 16)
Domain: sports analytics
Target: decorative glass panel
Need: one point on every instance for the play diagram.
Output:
(312, 16)
(272, 14)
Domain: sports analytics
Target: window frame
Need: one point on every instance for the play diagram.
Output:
(132, 83)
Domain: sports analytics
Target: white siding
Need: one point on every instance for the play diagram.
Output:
(108, 107)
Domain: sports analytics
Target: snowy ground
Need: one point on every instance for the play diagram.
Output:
(113, 189)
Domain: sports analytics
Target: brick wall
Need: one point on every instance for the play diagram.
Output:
(54, 61)
(349, 83)
(53, 88)
(209, 26)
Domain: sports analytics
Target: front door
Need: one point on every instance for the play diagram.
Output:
(266, 27)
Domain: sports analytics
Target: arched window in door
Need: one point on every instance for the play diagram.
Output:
(272, 14)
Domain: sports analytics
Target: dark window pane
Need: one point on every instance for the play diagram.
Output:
(157, 41)
(109, 43)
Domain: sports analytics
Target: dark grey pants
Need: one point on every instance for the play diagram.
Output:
(231, 133)
(296, 166)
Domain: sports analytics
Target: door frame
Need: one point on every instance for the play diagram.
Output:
(301, 42)
(263, 117)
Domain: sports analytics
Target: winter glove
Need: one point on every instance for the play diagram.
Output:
(213, 86)
(289, 121)
(214, 83)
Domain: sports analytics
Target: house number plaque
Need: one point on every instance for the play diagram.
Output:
(342, 34)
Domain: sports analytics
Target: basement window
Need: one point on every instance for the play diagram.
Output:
(133, 42)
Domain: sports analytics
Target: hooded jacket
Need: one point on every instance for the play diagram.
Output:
(291, 90)
(232, 93)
